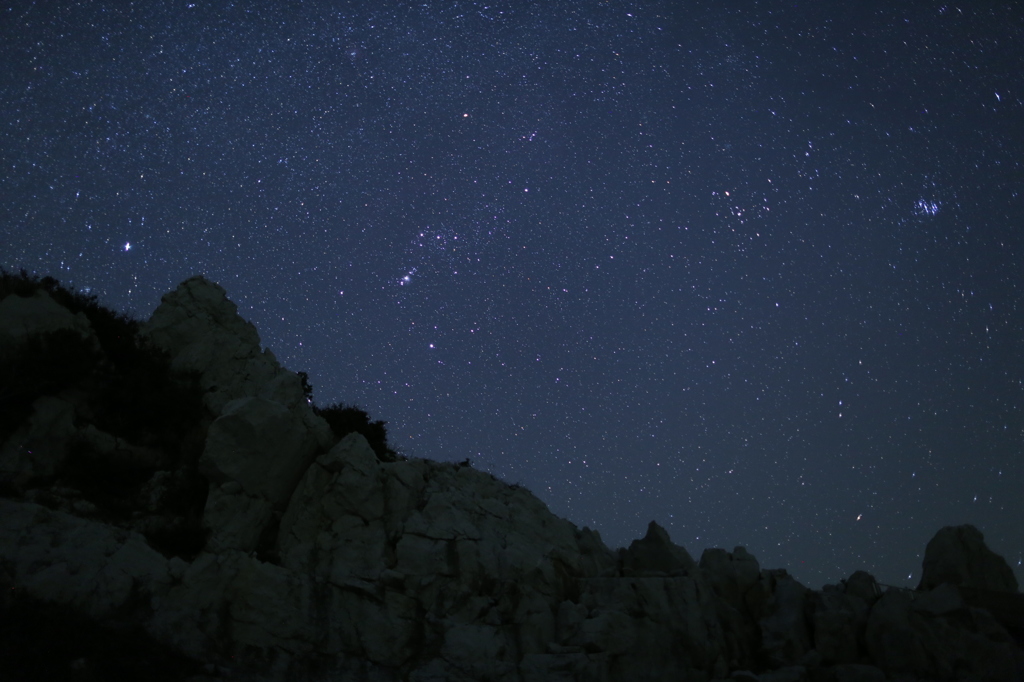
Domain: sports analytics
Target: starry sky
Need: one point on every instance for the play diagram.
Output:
(750, 269)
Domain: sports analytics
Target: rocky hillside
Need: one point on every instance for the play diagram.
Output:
(172, 507)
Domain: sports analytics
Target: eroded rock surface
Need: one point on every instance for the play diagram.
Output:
(317, 560)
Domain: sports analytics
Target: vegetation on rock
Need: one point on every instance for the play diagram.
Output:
(124, 387)
(345, 419)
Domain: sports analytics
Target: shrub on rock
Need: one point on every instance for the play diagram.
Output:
(345, 419)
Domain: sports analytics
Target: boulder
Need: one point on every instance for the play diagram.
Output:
(255, 454)
(958, 555)
(261, 445)
(62, 559)
(863, 585)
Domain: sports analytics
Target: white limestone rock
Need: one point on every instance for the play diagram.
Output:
(261, 445)
(234, 518)
(63, 559)
(481, 651)
(192, 615)
(429, 571)
(563, 666)
(255, 454)
(203, 332)
(269, 608)
(333, 524)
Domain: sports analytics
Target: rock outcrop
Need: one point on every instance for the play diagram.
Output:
(22, 317)
(316, 559)
(957, 555)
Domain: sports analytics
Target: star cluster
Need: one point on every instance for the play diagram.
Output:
(750, 269)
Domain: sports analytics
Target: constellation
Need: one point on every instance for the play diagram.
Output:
(926, 207)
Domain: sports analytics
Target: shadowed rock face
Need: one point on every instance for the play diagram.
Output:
(22, 317)
(957, 555)
(318, 560)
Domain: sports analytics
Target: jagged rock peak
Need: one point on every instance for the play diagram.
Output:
(656, 554)
(202, 331)
(958, 555)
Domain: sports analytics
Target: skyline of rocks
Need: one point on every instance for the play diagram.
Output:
(256, 544)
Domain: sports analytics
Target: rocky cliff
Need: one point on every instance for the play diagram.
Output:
(225, 531)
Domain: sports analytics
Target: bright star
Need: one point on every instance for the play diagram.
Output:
(127, 246)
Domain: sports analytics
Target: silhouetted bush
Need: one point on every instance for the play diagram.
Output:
(345, 419)
(45, 364)
(307, 388)
(117, 332)
(23, 284)
(136, 395)
(133, 394)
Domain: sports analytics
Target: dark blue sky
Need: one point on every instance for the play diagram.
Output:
(751, 269)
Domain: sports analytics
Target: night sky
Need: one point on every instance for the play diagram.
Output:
(754, 270)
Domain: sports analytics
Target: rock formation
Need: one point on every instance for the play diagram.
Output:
(957, 555)
(262, 547)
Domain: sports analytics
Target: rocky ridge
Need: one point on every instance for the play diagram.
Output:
(264, 548)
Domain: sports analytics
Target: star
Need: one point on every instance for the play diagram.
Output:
(685, 330)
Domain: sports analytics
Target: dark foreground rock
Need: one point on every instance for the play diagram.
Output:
(260, 547)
